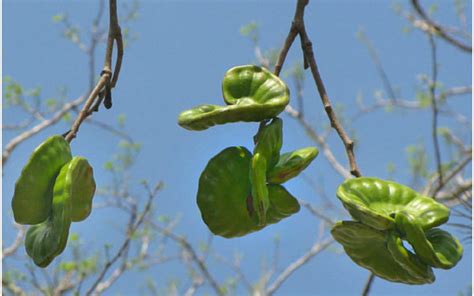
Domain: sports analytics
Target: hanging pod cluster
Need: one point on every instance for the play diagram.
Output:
(240, 192)
(388, 216)
(53, 190)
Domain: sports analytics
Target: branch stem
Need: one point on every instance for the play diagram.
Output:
(106, 81)
(298, 28)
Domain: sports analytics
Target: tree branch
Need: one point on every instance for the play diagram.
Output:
(190, 250)
(315, 249)
(324, 146)
(12, 288)
(439, 30)
(456, 170)
(298, 28)
(106, 81)
(16, 243)
(38, 128)
(434, 108)
(368, 284)
(126, 243)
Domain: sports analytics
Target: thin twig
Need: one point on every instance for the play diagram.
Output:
(106, 80)
(414, 104)
(316, 212)
(16, 243)
(434, 108)
(38, 128)
(235, 266)
(439, 30)
(324, 146)
(110, 129)
(378, 65)
(125, 244)
(348, 143)
(315, 249)
(452, 174)
(12, 288)
(368, 284)
(190, 250)
(298, 28)
(454, 197)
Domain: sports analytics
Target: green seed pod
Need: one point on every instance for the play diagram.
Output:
(252, 94)
(447, 248)
(436, 247)
(421, 272)
(32, 199)
(282, 204)
(291, 164)
(83, 188)
(376, 202)
(259, 190)
(368, 248)
(224, 196)
(266, 155)
(225, 200)
(47, 240)
(268, 143)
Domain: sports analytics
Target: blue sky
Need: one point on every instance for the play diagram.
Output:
(178, 61)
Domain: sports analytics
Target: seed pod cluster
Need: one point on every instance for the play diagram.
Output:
(240, 192)
(389, 214)
(53, 190)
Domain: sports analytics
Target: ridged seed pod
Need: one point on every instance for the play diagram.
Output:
(33, 194)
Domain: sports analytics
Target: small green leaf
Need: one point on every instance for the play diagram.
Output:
(67, 117)
(58, 18)
(121, 119)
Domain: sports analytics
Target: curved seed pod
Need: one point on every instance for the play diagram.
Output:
(225, 200)
(259, 190)
(31, 202)
(204, 116)
(224, 195)
(266, 155)
(368, 248)
(269, 140)
(257, 84)
(376, 202)
(436, 247)
(411, 263)
(47, 240)
(282, 204)
(447, 248)
(291, 164)
(83, 188)
(252, 93)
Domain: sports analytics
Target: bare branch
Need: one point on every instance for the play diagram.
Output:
(298, 28)
(324, 146)
(456, 170)
(190, 250)
(106, 81)
(434, 108)
(368, 284)
(378, 65)
(39, 127)
(315, 249)
(93, 289)
(416, 105)
(439, 30)
(10, 250)
(110, 129)
(454, 196)
(316, 212)
(11, 287)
